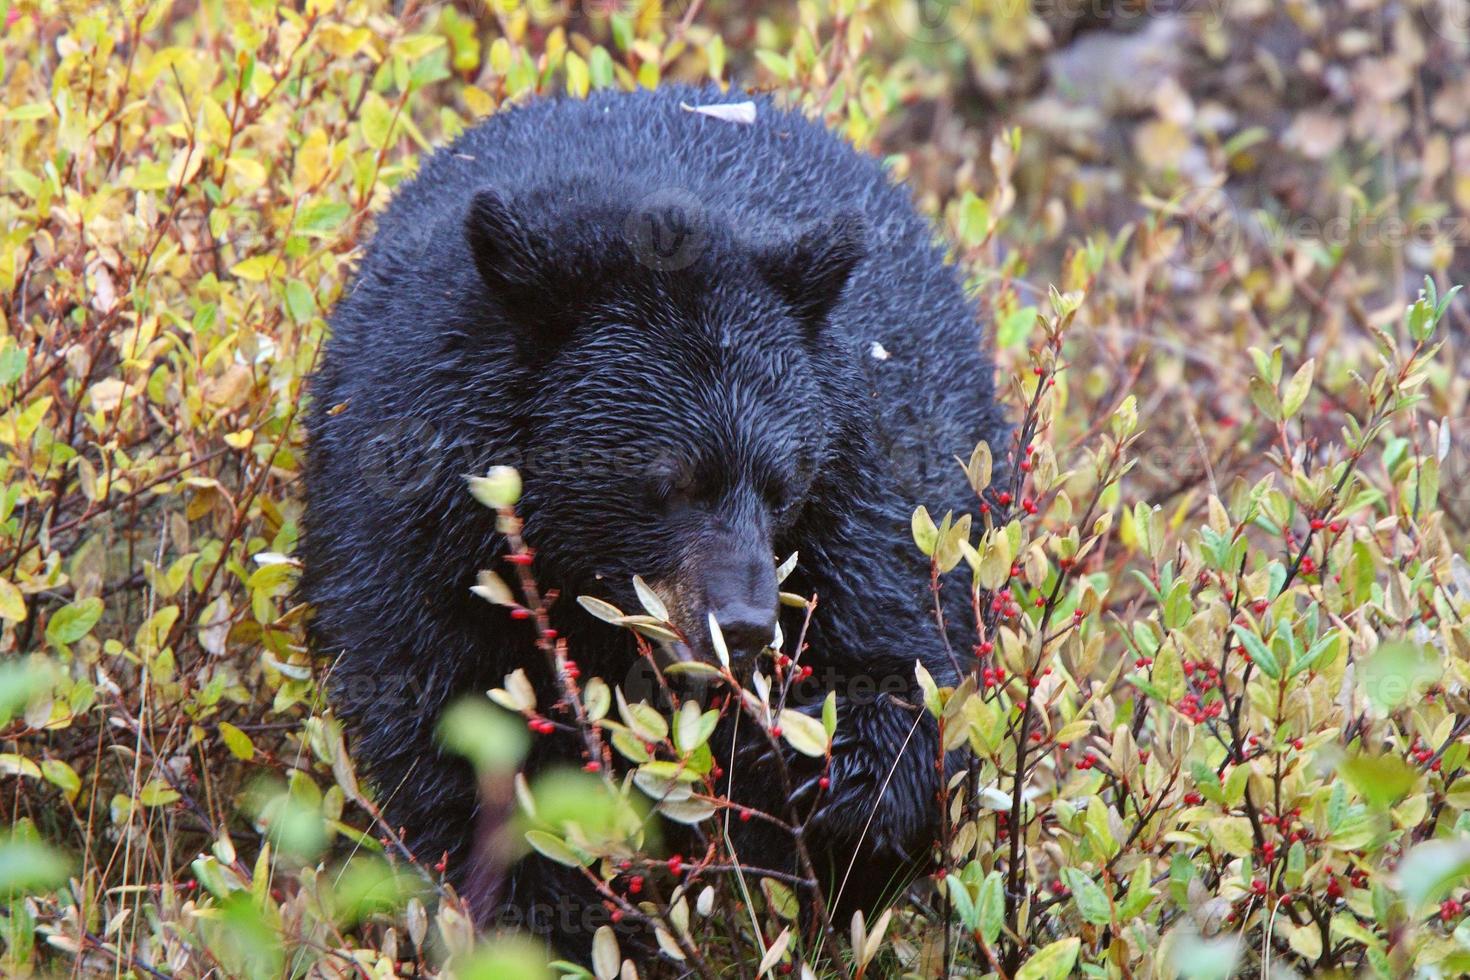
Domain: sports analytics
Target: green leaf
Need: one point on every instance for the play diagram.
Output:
(1398, 673)
(992, 907)
(29, 866)
(1259, 653)
(1233, 834)
(1382, 780)
(494, 741)
(1099, 833)
(1431, 869)
(1265, 397)
(73, 621)
(1297, 389)
(1140, 894)
(652, 602)
(554, 848)
(300, 303)
(62, 776)
(26, 113)
(926, 535)
(157, 792)
(692, 728)
(974, 219)
(1015, 327)
(501, 487)
(377, 120)
(804, 733)
(322, 216)
(964, 905)
(1092, 902)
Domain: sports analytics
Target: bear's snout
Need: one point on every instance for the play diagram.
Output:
(740, 592)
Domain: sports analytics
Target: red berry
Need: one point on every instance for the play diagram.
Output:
(520, 612)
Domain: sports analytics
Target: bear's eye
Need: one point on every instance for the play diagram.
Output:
(779, 496)
(672, 488)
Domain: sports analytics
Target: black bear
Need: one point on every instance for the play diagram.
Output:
(707, 342)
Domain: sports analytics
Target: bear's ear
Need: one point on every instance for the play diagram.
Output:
(510, 259)
(810, 271)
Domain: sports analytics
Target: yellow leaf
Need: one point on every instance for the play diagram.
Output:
(1306, 940)
(236, 741)
(256, 268)
(216, 125)
(249, 172)
(1233, 834)
(477, 101)
(578, 79)
(312, 158)
(12, 603)
(185, 165)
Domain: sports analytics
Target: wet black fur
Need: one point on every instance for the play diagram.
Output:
(604, 379)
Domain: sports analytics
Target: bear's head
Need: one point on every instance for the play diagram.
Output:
(684, 393)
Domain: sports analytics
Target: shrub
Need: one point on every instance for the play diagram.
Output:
(1218, 712)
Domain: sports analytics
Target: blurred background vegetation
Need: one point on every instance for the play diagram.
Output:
(183, 189)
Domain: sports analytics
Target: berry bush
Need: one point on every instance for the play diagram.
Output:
(1218, 719)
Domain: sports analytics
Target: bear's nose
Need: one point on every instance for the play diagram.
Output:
(747, 628)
